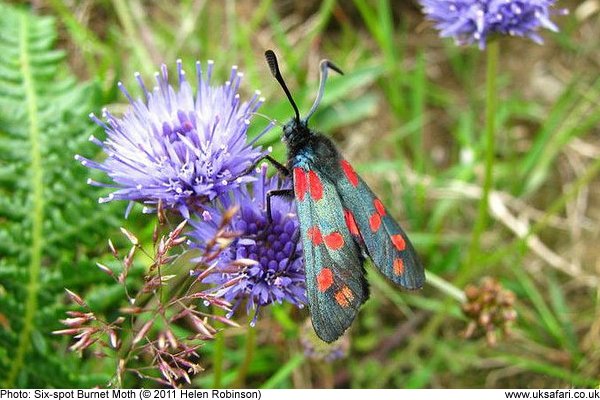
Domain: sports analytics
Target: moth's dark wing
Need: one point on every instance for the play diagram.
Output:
(335, 280)
(385, 242)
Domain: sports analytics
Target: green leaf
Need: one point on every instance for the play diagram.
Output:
(51, 223)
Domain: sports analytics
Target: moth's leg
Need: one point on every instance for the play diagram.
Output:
(280, 167)
(283, 193)
(280, 193)
(295, 240)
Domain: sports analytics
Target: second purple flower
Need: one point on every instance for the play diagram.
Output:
(474, 21)
(271, 251)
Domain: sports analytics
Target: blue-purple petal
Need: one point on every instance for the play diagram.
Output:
(279, 274)
(174, 147)
(474, 21)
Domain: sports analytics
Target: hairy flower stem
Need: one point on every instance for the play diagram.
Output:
(491, 89)
(218, 355)
(240, 381)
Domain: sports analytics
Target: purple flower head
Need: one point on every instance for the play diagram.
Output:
(473, 21)
(177, 147)
(271, 252)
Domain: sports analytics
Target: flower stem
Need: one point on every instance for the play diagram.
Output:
(240, 381)
(445, 287)
(218, 354)
(491, 89)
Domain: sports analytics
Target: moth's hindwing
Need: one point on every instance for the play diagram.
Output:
(385, 242)
(335, 279)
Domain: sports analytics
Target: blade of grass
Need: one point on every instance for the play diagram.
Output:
(284, 372)
(574, 114)
(80, 34)
(563, 315)
(123, 12)
(379, 21)
(539, 367)
(418, 91)
(553, 327)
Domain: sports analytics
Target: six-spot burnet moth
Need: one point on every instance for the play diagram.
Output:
(341, 223)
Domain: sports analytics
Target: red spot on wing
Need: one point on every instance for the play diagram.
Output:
(344, 296)
(379, 207)
(299, 183)
(334, 240)
(399, 242)
(324, 279)
(375, 222)
(398, 266)
(350, 173)
(351, 222)
(314, 234)
(315, 186)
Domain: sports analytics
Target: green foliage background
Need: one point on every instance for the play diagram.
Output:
(408, 113)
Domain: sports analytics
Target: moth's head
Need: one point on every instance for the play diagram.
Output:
(294, 128)
(298, 126)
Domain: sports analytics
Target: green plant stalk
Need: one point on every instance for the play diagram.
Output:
(219, 353)
(240, 380)
(419, 151)
(323, 16)
(283, 372)
(232, 28)
(445, 287)
(379, 22)
(124, 14)
(37, 209)
(84, 37)
(245, 39)
(491, 90)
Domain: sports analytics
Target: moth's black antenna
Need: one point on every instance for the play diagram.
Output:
(272, 61)
(325, 66)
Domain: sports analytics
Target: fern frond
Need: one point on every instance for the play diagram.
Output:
(49, 222)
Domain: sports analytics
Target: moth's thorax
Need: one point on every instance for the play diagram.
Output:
(304, 159)
(314, 151)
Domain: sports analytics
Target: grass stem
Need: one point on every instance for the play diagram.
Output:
(491, 90)
(250, 347)
(219, 353)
